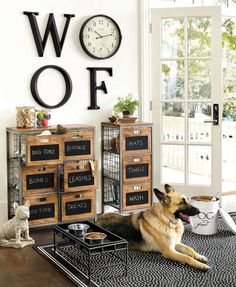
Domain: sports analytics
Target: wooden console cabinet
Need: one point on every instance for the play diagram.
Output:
(127, 165)
(57, 173)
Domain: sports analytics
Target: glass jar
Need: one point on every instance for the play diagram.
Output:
(43, 117)
(25, 117)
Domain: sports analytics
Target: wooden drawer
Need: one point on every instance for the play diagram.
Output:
(39, 179)
(137, 196)
(78, 205)
(43, 209)
(137, 168)
(79, 176)
(78, 145)
(136, 140)
(41, 150)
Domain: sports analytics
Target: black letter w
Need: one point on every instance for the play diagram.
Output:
(51, 27)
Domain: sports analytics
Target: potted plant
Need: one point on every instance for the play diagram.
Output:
(126, 105)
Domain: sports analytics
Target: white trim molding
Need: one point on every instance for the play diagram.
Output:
(3, 211)
(145, 84)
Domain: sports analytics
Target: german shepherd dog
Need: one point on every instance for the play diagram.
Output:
(158, 228)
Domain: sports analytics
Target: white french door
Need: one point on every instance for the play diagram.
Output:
(186, 77)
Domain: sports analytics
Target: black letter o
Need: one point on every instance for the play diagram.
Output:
(34, 87)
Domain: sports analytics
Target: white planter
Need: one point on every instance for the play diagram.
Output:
(206, 222)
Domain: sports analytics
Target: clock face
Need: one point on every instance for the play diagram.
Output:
(100, 37)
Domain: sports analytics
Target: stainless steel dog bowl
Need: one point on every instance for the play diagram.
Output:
(94, 237)
(78, 229)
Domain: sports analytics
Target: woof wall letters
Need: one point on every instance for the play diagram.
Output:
(58, 43)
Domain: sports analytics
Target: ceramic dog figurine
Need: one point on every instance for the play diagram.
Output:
(15, 232)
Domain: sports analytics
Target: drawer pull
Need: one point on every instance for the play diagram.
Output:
(136, 132)
(41, 199)
(44, 140)
(138, 159)
(138, 187)
(78, 196)
(41, 168)
(76, 137)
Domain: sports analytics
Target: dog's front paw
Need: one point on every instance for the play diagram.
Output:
(202, 259)
(204, 267)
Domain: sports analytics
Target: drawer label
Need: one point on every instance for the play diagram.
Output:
(42, 211)
(135, 198)
(38, 181)
(137, 170)
(136, 143)
(78, 207)
(82, 178)
(73, 148)
(44, 152)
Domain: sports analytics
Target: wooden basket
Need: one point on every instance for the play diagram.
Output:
(41, 150)
(43, 209)
(78, 145)
(78, 205)
(39, 179)
(136, 140)
(137, 168)
(79, 176)
(137, 196)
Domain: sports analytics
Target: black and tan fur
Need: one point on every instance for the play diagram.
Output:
(158, 228)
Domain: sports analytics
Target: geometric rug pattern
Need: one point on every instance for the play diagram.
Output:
(151, 269)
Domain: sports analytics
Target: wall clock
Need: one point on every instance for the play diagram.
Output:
(100, 37)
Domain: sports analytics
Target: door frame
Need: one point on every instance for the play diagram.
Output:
(215, 12)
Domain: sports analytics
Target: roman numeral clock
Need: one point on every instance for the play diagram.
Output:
(100, 37)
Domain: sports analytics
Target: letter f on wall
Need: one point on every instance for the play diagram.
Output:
(51, 28)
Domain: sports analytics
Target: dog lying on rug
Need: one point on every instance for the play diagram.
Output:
(158, 228)
(15, 232)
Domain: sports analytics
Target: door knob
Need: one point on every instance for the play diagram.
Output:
(215, 120)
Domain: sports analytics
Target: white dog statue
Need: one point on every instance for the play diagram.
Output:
(15, 232)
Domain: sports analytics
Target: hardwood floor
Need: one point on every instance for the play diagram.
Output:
(26, 268)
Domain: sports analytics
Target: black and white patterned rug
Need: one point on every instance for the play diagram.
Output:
(151, 269)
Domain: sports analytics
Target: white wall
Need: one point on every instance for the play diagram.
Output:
(19, 60)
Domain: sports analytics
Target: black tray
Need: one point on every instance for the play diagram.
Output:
(111, 238)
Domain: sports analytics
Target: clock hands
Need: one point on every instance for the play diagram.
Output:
(100, 36)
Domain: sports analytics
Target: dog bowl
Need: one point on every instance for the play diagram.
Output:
(95, 237)
(78, 229)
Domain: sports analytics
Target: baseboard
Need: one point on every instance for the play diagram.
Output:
(3, 211)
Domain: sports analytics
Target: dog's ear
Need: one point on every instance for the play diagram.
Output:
(168, 188)
(15, 205)
(162, 197)
(27, 203)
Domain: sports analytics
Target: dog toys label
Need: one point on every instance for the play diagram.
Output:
(44, 152)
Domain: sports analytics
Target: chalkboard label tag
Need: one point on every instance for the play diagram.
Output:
(44, 152)
(82, 178)
(78, 207)
(136, 198)
(73, 148)
(136, 143)
(137, 170)
(42, 211)
(38, 181)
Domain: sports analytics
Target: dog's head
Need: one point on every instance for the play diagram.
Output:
(22, 211)
(176, 203)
